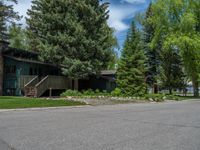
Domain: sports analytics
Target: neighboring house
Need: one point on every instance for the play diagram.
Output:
(21, 73)
(106, 81)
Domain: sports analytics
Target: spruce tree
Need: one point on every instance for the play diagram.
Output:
(73, 34)
(17, 37)
(152, 54)
(7, 16)
(131, 69)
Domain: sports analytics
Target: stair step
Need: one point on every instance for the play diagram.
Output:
(31, 93)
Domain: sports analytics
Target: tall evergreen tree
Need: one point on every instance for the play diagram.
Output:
(17, 37)
(131, 69)
(152, 54)
(73, 34)
(7, 16)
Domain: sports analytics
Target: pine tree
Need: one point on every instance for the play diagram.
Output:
(7, 16)
(131, 69)
(73, 34)
(17, 37)
(152, 54)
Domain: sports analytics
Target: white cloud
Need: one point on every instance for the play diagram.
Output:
(134, 1)
(118, 13)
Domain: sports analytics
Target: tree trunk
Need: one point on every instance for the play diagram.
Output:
(196, 88)
(170, 91)
(155, 88)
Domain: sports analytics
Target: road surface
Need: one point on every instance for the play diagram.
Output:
(164, 126)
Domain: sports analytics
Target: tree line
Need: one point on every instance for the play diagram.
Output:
(162, 52)
(165, 51)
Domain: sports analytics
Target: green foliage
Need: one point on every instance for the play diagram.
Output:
(117, 92)
(161, 97)
(155, 97)
(172, 76)
(112, 65)
(71, 93)
(173, 97)
(85, 93)
(7, 16)
(131, 69)
(78, 39)
(176, 25)
(97, 91)
(17, 37)
(153, 60)
(90, 92)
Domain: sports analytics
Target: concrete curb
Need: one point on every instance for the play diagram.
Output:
(42, 108)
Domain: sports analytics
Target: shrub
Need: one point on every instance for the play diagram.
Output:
(71, 93)
(173, 97)
(161, 97)
(97, 91)
(155, 97)
(116, 92)
(89, 92)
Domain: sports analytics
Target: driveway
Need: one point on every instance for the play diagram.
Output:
(164, 126)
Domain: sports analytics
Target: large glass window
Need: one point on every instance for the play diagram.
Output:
(10, 69)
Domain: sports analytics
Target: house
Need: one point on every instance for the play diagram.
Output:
(105, 81)
(21, 73)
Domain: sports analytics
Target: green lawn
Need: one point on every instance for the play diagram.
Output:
(7, 102)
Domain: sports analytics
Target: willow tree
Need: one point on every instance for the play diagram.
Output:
(176, 24)
(73, 34)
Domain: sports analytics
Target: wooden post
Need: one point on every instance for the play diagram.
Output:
(76, 84)
(50, 92)
(70, 86)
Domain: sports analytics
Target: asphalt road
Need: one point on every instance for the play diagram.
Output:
(166, 126)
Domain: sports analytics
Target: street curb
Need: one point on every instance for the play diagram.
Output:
(42, 108)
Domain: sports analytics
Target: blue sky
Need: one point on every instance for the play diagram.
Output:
(121, 14)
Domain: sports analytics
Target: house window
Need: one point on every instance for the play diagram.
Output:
(10, 69)
(31, 71)
(10, 92)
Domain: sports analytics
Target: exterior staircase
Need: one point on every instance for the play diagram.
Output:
(31, 92)
(38, 86)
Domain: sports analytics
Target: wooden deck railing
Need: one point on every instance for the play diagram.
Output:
(51, 83)
(25, 79)
(38, 85)
(41, 87)
(30, 85)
